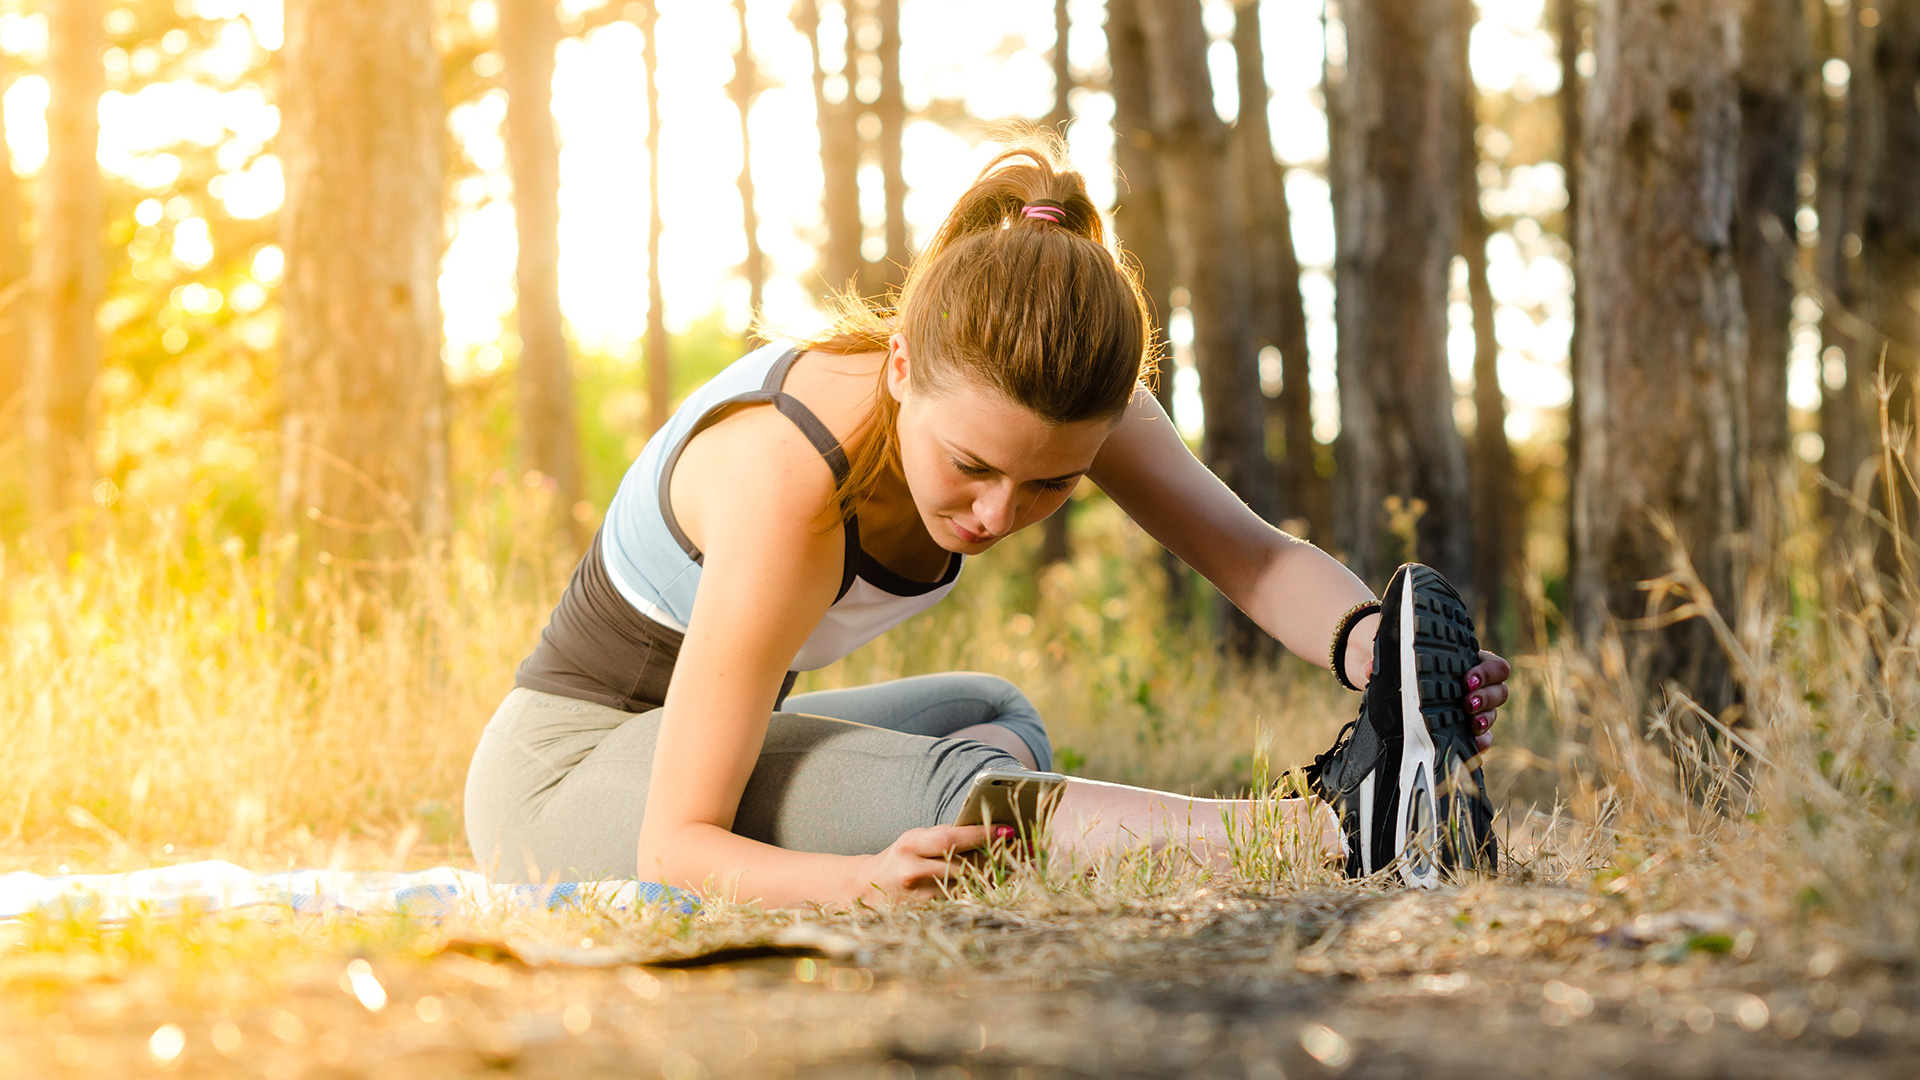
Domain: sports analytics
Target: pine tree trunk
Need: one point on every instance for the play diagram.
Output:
(1496, 517)
(1848, 412)
(69, 263)
(1210, 257)
(1140, 216)
(1399, 216)
(659, 358)
(1774, 64)
(1568, 23)
(15, 284)
(891, 108)
(529, 32)
(364, 477)
(1280, 316)
(1663, 390)
(840, 259)
(1056, 536)
(743, 88)
(1890, 232)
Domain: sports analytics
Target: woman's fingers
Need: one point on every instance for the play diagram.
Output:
(938, 841)
(1486, 699)
(1492, 670)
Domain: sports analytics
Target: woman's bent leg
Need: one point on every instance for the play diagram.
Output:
(942, 706)
(558, 786)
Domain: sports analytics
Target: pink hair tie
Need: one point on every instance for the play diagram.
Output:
(1055, 214)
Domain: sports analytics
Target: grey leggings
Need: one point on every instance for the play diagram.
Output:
(557, 785)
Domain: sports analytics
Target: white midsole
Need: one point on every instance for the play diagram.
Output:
(1416, 749)
(1366, 823)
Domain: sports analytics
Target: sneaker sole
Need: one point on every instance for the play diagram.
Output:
(1437, 647)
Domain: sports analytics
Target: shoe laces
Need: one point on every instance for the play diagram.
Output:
(1333, 753)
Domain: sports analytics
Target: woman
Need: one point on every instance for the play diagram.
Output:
(649, 734)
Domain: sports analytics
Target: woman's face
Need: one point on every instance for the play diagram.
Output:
(980, 466)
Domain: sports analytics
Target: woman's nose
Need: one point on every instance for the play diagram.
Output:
(996, 511)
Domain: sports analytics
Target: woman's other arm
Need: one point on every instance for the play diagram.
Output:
(750, 492)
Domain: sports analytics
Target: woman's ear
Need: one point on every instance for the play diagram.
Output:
(899, 367)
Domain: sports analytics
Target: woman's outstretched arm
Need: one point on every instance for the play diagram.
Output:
(1292, 589)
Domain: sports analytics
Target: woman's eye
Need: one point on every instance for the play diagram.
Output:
(1059, 485)
(971, 470)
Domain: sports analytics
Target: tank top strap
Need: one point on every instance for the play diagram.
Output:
(816, 432)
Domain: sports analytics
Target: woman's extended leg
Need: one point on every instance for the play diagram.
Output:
(1094, 818)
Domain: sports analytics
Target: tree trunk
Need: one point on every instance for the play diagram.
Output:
(1140, 216)
(1210, 255)
(69, 263)
(1280, 316)
(890, 109)
(1890, 232)
(659, 360)
(364, 477)
(1056, 538)
(15, 284)
(1399, 159)
(1496, 517)
(840, 259)
(743, 88)
(529, 32)
(1663, 390)
(1849, 414)
(1774, 63)
(1571, 102)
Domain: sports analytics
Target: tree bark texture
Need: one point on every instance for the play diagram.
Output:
(364, 475)
(1398, 148)
(1847, 411)
(1140, 214)
(16, 304)
(1774, 65)
(659, 360)
(1890, 228)
(743, 88)
(1567, 28)
(891, 109)
(69, 263)
(529, 32)
(1496, 516)
(1663, 390)
(840, 259)
(1279, 312)
(1056, 536)
(1209, 247)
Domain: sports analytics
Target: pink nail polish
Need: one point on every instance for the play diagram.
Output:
(1473, 682)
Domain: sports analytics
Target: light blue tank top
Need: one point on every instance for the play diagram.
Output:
(657, 569)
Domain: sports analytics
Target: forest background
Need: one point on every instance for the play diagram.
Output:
(326, 332)
(327, 329)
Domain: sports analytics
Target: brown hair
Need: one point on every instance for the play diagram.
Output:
(1036, 308)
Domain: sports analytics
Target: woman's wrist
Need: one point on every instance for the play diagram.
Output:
(1358, 661)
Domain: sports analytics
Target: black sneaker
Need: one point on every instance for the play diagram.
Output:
(1401, 776)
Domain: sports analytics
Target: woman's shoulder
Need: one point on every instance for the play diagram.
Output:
(751, 459)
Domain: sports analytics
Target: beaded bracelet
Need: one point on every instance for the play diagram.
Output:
(1344, 629)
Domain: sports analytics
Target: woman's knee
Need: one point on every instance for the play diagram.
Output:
(1013, 710)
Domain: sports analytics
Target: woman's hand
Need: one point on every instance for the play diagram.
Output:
(1486, 691)
(921, 861)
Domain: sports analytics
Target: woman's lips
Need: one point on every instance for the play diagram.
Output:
(967, 535)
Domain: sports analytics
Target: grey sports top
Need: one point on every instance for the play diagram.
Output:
(644, 559)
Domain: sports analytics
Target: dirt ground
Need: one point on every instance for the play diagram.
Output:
(1485, 980)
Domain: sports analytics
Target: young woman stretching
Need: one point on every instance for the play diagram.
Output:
(809, 498)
